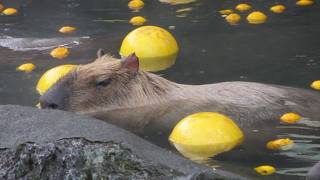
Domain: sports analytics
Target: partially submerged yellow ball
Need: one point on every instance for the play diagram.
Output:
(233, 18)
(290, 117)
(59, 53)
(28, 67)
(243, 7)
(304, 2)
(203, 135)
(136, 4)
(280, 144)
(67, 29)
(10, 11)
(278, 9)
(51, 76)
(137, 20)
(265, 170)
(256, 17)
(315, 85)
(155, 47)
(226, 11)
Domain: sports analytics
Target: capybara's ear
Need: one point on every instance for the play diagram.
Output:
(131, 62)
(100, 53)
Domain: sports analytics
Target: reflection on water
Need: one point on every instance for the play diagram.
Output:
(285, 51)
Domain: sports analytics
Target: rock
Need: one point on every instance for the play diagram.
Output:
(314, 172)
(56, 144)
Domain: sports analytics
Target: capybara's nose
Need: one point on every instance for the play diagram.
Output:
(49, 103)
(54, 98)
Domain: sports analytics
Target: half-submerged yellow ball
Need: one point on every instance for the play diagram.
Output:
(290, 117)
(67, 29)
(203, 135)
(137, 20)
(304, 2)
(256, 17)
(59, 53)
(278, 9)
(315, 85)
(10, 11)
(265, 170)
(243, 7)
(51, 76)
(280, 144)
(233, 18)
(155, 47)
(136, 4)
(28, 67)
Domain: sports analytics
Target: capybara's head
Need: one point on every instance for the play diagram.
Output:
(105, 82)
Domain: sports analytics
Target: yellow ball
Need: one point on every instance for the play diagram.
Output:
(203, 135)
(59, 53)
(265, 170)
(278, 9)
(315, 85)
(243, 7)
(304, 2)
(256, 17)
(137, 20)
(233, 18)
(10, 11)
(67, 29)
(226, 11)
(51, 76)
(156, 48)
(280, 144)
(290, 117)
(136, 4)
(28, 67)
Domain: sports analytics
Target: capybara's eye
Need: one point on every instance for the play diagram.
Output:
(103, 82)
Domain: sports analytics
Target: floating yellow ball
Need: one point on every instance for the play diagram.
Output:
(28, 67)
(59, 53)
(10, 11)
(265, 170)
(256, 17)
(136, 4)
(51, 76)
(226, 11)
(278, 9)
(304, 2)
(315, 85)
(243, 7)
(280, 144)
(290, 117)
(137, 20)
(67, 29)
(203, 135)
(155, 47)
(233, 18)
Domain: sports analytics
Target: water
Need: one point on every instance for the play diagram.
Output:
(285, 51)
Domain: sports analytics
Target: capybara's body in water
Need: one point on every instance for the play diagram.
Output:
(118, 92)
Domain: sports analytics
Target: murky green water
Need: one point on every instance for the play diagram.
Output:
(285, 51)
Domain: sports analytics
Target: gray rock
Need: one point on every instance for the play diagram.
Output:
(314, 172)
(35, 142)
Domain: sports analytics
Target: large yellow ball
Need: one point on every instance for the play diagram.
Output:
(51, 76)
(203, 135)
(155, 47)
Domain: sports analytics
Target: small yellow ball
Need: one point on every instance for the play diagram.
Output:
(290, 117)
(278, 9)
(67, 29)
(226, 11)
(59, 53)
(256, 17)
(203, 135)
(315, 85)
(51, 76)
(137, 20)
(233, 18)
(265, 170)
(28, 67)
(136, 4)
(280, 144)
(304, 2)
(10, 11)
(243, 7)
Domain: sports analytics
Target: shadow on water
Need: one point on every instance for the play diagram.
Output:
(285, 51)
